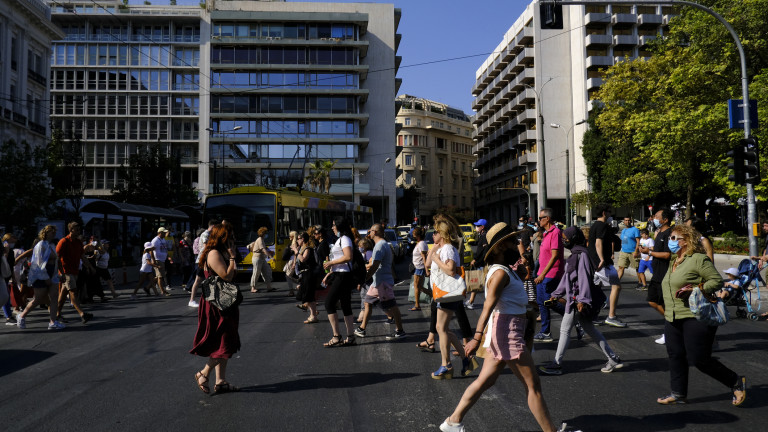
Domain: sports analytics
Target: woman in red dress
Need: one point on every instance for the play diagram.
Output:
(217, 337)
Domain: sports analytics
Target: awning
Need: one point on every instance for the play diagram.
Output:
(125, 209)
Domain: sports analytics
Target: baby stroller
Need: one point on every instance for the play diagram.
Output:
(742, 297)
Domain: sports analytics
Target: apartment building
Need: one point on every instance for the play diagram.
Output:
(26, 32)
(533, 93)
(435, 143)
(240, 92)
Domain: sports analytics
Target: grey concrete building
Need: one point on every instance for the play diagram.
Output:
(552, 72)
(242, 92)
(26, 32)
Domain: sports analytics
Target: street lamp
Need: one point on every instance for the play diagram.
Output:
(221, 155)
(386, 161)
(569, 217)
(527, 192)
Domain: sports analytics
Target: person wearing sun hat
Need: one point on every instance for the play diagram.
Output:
(146, 272)
(161, 254)
(477, 259)
(503, 322)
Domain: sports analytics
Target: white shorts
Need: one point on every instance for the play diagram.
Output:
(607, 276)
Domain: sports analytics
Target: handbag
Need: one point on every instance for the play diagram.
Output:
(474, 280)
(712, 312)
(411, 268)
(220, 293)
(447, 289)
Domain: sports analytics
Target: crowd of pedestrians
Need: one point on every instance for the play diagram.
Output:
(530, 271)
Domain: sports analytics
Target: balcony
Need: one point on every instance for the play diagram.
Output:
(593, 83)
(619, 40)
(525, 37)
(37, 128)
(597, 18)
(599, 39)
(19, 118)
(620, 59)
(645, 40)
(528, 135)
(649, 20)
(599, 62)
(624, 20)
(36, 77)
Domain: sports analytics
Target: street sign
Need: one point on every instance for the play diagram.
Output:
(736, 114)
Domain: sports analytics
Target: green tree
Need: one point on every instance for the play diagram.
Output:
(26, 189)
(152, 178)
(66, 168)
(665, 119)
(319, 177)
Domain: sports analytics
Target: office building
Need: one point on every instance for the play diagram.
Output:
(552, 72)
(436, 155)
(26, 32)
(240, 92)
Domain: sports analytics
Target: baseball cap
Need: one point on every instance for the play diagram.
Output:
(482, 222)
(733, 271)
(162, 229)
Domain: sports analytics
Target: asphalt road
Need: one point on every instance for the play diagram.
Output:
(130, 370)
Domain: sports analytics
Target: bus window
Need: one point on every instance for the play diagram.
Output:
(247, 213)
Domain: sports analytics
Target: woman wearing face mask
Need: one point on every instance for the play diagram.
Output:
(582, 303)
(688, 340)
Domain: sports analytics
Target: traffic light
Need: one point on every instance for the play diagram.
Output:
(751, 161)
(737, 154)
(551, 15)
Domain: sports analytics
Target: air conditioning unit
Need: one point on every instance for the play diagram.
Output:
(269, 38)
(277, 38)
(324, 39)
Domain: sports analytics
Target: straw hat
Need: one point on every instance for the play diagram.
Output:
(497, 234)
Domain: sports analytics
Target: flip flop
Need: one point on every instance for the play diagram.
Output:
(414, 309)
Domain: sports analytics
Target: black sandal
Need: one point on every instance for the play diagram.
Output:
(426, 346)
(224, 387)
(672, 399)
(350, 341)
(334, 342)
(204, 385)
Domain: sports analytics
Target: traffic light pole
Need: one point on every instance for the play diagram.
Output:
(751, 206)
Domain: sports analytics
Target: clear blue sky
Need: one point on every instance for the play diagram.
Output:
(443, 29)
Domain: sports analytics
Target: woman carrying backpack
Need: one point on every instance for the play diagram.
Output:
(582, 299)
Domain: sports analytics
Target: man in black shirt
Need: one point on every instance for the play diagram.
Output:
(600, 249)
(661, 256)
(478, 259)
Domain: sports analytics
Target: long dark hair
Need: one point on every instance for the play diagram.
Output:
(218, 240)
(342, 226)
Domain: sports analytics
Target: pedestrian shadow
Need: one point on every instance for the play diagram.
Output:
(757, 397)
(16, 360)
(328, 381)
(677, 420)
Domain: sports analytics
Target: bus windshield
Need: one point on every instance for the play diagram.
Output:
(247, 213)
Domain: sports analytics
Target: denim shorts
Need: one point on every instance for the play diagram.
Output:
(420, 272)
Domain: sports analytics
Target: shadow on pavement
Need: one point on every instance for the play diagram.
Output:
(15, 360)
(330, 381)
(677, 420)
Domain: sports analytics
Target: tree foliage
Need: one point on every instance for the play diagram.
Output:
(662, 132)
(319, 177)
(152, 178)
(26, 189)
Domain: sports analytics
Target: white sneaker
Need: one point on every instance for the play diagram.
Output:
(447, 426)
(21, 322)
(193, 304)
(661, 340)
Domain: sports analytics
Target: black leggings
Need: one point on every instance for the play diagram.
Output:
(461, 317)
(340, 290)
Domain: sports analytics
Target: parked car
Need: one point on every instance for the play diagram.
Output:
(469, 233)
(403, 231)
(466, 254)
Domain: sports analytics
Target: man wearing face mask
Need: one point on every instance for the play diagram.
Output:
(601, 253)
(661, 253)
(551, 268)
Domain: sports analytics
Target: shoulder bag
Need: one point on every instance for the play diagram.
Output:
(448, 289)
(220, 293)
(710, 311)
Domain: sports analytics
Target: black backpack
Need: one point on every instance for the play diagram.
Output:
(357, 267)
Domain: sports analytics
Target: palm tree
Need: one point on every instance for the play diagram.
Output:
(319, 176)
(327, 167)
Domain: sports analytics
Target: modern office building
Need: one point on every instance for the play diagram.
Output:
(436, 154)
(534, 91)
(241, 92)
(26, 32)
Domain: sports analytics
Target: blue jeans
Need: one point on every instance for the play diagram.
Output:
(543, 291)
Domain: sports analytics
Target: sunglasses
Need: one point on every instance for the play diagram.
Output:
(674, 237)
(543, 217)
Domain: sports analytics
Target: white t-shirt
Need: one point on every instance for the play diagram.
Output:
(103, 261)
(648, 243)
(337, 251)
(161, 249)
(146, 263)
(418, 258)
(447, 252)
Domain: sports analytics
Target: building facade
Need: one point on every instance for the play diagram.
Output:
(26, 32)
(533, 93)
(435, 155)
(239, 92)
